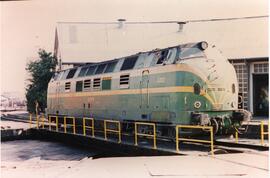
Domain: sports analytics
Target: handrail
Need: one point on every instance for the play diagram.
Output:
(92, 127)
(210, 128)
(73, 124)
(111, 130)
(263, 132)
(142, 134)
(56, 122)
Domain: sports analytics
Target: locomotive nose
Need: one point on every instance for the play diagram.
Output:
(219, 85)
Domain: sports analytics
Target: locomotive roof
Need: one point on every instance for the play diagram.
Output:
(186, 45)
(164, 56)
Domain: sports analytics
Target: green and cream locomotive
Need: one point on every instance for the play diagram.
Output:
(186, 84)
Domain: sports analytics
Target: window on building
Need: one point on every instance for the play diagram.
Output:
(110, 67)
(79, 86)
(91, 70)
(261, 68)
(67, 86)
(71, 73)
(96, 83)
(83, 71)
(100, 69)
(124, 81)
(242, 76)
(106, 83)
(87, 84)
(129, 63)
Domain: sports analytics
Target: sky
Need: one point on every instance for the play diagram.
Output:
(27, 26)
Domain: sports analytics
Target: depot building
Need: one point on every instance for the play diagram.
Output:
(252, 75)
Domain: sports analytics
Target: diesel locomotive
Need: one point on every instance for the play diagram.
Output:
(191, 84)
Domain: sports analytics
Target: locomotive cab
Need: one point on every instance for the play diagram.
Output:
(217, 91)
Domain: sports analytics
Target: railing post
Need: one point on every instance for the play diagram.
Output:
(155, 142)
(65, 124)
(212, 140)
(236, 137)
(177, 138)
(84, 131)
(119, 135)
(262, 133)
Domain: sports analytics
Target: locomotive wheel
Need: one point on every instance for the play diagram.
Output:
(215, 125)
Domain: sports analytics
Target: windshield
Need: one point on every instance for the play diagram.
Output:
(186, 53)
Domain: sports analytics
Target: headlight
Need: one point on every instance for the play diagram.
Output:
(203, 45)
(197, 104)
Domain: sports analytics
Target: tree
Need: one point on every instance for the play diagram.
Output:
(41, 72)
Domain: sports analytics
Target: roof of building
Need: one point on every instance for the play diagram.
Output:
(235, 39)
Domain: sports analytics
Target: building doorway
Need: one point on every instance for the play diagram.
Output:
(260, 95)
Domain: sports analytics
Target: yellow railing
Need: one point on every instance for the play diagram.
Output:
(111, 130)
(92, 127)
(56, 122)
(73, 124)
(263, 132)
(148, 135)
(211, 141)
(236, 136)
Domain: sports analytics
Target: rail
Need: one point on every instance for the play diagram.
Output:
(56, 122)
(143, 134)
(73, 124)
(111, 130)
(92, 127)
(211, 141)
(263, 132)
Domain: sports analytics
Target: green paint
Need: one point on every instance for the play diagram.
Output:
(159, 107)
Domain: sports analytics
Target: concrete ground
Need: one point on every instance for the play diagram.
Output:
(5, 125)
(34, 159)
(53, 160)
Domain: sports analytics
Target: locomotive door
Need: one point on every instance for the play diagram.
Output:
(144, 86)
